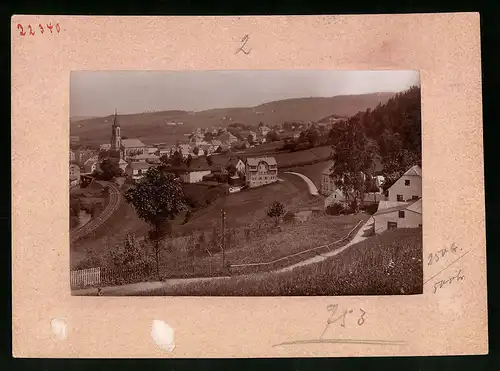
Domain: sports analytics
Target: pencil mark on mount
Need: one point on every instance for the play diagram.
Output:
(449, 265)
(343, 341)
(244, 41)
(455, 278)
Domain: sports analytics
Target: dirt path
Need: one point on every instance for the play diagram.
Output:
(312, 188)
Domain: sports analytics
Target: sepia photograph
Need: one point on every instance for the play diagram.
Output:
(245, 183)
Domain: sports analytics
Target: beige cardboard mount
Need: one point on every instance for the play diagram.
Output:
(49, 322)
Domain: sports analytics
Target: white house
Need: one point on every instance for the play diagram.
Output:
(194, 176)
(392, 215)
(408, 187)
(335, 196)
(136, 170)
(72, 155)
(105, 147)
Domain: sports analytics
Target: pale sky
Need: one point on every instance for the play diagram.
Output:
(99, 93)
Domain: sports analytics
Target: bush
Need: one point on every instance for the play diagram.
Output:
(335, 209)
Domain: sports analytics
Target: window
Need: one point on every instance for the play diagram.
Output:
(401, 214)
(414, 197)
(400, 197)
(407, 182)
(392, 225)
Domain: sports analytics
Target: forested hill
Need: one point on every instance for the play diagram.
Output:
(396, 127)
(389, 133)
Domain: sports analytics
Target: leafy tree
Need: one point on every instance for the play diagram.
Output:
(109, 169)
(189, 159)
(157, 198)
(196, 150)
(209, 161)
(250, 138)
(165, 159)
(176, 159)
(312, 135)
(353, 160)
(272, 136)
(276, 210)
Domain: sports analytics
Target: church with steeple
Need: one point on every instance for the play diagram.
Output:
(126, 147)
(116, 138)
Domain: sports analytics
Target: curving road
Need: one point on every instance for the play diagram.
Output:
(92, 225)
(312, 188)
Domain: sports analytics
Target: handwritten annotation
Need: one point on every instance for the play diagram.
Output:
(341, 319)
(442, 283)
(31, 31)
(244, 41)
(439, 256)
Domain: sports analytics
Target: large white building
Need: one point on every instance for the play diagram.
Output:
(260, 171)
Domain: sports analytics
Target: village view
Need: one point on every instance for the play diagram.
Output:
(263, 200)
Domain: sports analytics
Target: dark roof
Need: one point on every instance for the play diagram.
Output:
(254, 161)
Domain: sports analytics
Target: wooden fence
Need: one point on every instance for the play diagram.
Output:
(85, 277)
(93, 277)
(289, 259)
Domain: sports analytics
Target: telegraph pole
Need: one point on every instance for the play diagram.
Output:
(223, 217)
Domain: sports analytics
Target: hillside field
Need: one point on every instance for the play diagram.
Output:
(386, 264)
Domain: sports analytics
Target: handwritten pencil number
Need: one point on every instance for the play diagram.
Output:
(22, 32)
(361, 319)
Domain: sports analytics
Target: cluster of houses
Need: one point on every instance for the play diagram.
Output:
(399, 206)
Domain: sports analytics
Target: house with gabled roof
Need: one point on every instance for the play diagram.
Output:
(408, 187)
(260, 171)
(394, 214)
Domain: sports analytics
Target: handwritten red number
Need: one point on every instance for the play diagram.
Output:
(41, 27)
(58, 28)
(22, 33)
(31, 30)
(49, 26)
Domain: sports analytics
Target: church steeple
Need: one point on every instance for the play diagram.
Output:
(115, 134)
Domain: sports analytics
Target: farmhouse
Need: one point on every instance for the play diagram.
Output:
(408, 187)
(392, 215)
(136, 170)
(335, 197)
(261, 171)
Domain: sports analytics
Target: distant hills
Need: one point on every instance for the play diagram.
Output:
(152, 126)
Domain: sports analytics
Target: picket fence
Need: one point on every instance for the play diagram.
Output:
(85, 277)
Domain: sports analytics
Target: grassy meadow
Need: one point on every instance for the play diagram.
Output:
(386, 264)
